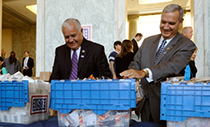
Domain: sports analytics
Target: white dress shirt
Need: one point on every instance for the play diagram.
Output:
(25, 62)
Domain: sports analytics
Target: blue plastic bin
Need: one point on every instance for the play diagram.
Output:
(97, 95)
(179, 102)
(13, 94)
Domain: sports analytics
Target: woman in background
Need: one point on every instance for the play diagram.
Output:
(191, 70)
(12, 64)
(124, 58)
(3, 69)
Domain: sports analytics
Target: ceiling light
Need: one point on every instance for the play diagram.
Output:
(153, 1)
(32, 8)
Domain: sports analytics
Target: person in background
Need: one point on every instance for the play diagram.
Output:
(135, 41)
(124, 58)
(27, 64)
(191, 70)
(187, 32)
(12, 64)
(3, 53)
(112, 56)
(159, 58)
(3, 69)
(79, 58)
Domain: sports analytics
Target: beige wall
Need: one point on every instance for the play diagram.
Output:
(7, 41)
(24, 39)
(19, 40)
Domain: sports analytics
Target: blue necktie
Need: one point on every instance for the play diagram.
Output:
(160, 49)
(73, 66)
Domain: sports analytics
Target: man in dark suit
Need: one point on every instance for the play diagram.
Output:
(27, 64)
(91, 58)
(152, 68)
(135, 41)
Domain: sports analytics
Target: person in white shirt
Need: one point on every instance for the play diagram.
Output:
(27, 64)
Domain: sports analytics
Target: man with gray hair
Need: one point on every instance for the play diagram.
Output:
(78, 58)
(187, 31)
(159, 57)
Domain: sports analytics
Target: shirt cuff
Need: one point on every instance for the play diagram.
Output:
(149, 79)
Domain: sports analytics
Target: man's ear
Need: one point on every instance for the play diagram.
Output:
(181, 22)
(82, 30)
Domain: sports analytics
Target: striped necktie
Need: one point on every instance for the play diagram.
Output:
(73, 66)
(160, 49)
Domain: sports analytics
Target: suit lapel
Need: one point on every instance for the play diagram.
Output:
(67, 58)
(83, 54)
(28, 61)
(168, 47)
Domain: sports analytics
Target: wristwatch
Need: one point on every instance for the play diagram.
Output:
(146, 72)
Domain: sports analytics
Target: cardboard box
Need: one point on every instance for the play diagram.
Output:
(52, 112)
(34, 78)
(45, 76)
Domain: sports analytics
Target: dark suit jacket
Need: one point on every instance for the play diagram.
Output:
(135, 46)
(175, 56)
(92, 60)
(30, 65)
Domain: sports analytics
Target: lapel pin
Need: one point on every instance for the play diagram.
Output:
(83, 51)
(168, 48)
(82, 56)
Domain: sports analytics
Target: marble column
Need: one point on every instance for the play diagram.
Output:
(1, 24)
(40, 37)
(133, 24)
(120, 20)
(201, 36)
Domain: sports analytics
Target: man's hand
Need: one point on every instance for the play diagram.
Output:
(114, 76)
(131, 73)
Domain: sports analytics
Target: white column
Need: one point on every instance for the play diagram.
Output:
(0, 24)
(40, 37)
(202, 38)
(120, 20)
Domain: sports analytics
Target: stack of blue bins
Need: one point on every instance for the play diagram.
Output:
(181, 101)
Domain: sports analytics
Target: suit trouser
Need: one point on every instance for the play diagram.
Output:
(27, 72)
(146, 115)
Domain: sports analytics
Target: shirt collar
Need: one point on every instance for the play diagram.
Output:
(78, 52)
(168, 40)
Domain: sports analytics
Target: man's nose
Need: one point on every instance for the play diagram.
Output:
(166, 26)
(70, 39)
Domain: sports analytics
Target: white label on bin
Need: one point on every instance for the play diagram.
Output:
(39, 104)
